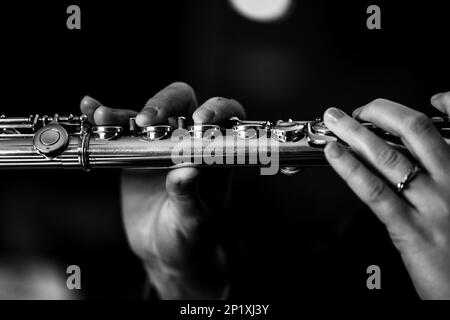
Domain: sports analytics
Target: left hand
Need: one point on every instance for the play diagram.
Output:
(169, 215)
(418, 219)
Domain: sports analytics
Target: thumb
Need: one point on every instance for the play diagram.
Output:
(181, 186)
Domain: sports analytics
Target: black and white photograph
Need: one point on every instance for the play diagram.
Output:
(225, 155)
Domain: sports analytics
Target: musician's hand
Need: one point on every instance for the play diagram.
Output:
(166, 213)
(418, 219)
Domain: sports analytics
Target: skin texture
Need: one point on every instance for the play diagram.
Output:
(167, 215)
(418, 219)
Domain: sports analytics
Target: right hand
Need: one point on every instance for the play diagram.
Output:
(418, 217)
(166, 212)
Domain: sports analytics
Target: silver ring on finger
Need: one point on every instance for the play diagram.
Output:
(412, 173)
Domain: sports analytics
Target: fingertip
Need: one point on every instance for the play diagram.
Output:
(327, 111)
(218, 109)
(441, 101)
(146, 117)
(88, 105)
(332, 115)
(436, 97)
(203, 115)
(437, 101)
(181, 181)
(103, 115)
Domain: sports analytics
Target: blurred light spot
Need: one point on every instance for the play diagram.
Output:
(262, 10)
(33, 280)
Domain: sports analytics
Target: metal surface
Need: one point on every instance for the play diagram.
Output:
(51, 139)
(249, 130)
(153, 133)
(199, 131)
(106, 132)
(289, 131)
(72, 143)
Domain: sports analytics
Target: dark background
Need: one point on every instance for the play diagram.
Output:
(304, 236)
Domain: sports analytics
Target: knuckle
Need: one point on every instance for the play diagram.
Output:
(442, 204)
(236, 103)
(178, 90)
(216, 104)
(378, 105)
(377, 191)
(419, 124)
(353, 170)
(355, 128)
(378, 102)
(179, 85)
(217, 100)
(388, 157)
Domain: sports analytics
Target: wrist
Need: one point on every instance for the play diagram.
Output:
(200, 279)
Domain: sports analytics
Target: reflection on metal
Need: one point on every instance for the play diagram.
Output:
(70, 142)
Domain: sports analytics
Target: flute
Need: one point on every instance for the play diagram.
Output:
(53, 142)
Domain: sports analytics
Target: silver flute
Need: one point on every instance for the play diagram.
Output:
(37, 142)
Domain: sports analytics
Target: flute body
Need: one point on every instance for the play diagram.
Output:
(70, 142)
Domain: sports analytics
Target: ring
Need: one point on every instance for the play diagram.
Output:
(402, 185)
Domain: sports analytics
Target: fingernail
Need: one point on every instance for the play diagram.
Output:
(333, 150)
(436, 97)
(203, 115)
(333, 115)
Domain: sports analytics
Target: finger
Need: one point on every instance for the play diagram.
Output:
(218, 109)
(388, 207)
(181, 189)
(88, 105)
(392, 164)
(441, 101)
(104, 116)
(415, 129)
(174, 100)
